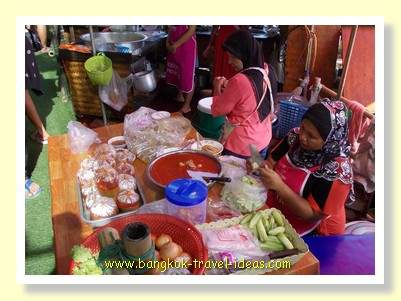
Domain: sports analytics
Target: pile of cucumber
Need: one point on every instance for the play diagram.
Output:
(268, 227)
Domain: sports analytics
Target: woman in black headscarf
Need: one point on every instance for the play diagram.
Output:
(246, 99)
(309, 172)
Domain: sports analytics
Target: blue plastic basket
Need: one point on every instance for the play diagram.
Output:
(289, 117)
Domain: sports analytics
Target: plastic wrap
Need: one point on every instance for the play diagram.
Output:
(80, 137)
(231, 246)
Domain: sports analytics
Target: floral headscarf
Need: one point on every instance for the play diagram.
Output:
(333, 158)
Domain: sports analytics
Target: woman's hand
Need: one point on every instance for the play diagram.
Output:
(270, 178)
(219, 84)
(250, 168)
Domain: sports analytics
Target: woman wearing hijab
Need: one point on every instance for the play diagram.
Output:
(245, 99)
(309, 172)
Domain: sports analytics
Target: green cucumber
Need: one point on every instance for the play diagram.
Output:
(261, 230)
(277, 230)
(255, 219)
(285, 241)
(271, 246)
(246, 219)
(273, 239)
(277, 217)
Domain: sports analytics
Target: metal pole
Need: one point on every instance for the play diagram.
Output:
(94, 53)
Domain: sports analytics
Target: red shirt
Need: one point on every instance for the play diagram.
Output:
(238, 102)
(323, 196)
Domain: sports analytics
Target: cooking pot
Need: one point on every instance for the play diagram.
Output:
(110, 41)
(145, 81)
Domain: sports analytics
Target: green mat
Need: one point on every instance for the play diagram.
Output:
(55, 110)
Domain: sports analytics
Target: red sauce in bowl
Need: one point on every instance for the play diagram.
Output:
(174, 166)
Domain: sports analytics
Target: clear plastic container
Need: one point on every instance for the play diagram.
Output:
(186, 199)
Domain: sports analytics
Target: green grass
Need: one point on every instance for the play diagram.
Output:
(55, 114)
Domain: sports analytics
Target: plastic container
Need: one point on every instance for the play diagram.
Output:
(210, 146)
(118, 142)
(207, 125)
(186, 199)
(290, 116)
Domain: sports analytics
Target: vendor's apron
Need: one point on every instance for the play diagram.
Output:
(180, 70)
(295, 178)
(229, 127)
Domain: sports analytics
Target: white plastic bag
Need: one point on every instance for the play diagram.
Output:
(138, 121)
(230, 246)
(233, 167)
(80, 137)
(115, 93)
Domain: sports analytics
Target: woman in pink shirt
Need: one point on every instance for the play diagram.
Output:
(245, 99)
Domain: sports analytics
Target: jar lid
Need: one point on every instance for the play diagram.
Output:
(205, 105)
(186, 192)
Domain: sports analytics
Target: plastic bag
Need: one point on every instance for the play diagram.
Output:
(146, 137)
(218, 210)
(231, 246)
(235, 238)
(138, 121)
(115, 93)
(80, 137)
(245, 194)
(233, 167)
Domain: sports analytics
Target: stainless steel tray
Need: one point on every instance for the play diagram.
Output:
(85, 216)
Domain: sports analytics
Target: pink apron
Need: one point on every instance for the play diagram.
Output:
(295, 178)
(180, 71)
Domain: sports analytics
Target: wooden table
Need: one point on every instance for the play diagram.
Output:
(68, 228)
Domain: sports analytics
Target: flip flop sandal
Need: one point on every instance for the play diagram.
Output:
(38, 138)
(28, 194)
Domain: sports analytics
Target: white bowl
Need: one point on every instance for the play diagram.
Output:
(160, 115)
(213, 143)
(118, 142)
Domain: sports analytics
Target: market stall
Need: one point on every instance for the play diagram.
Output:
(123, 48)
(69, 228)
(181, 189)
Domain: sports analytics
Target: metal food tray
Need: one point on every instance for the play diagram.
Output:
(85, 216)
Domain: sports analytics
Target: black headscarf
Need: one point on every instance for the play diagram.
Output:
(245, 47)
(320, 118)
(330, 119)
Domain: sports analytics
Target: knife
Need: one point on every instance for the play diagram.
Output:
(217, 179)
(255, 159)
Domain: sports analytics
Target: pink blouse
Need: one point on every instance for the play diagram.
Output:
(237, 102)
